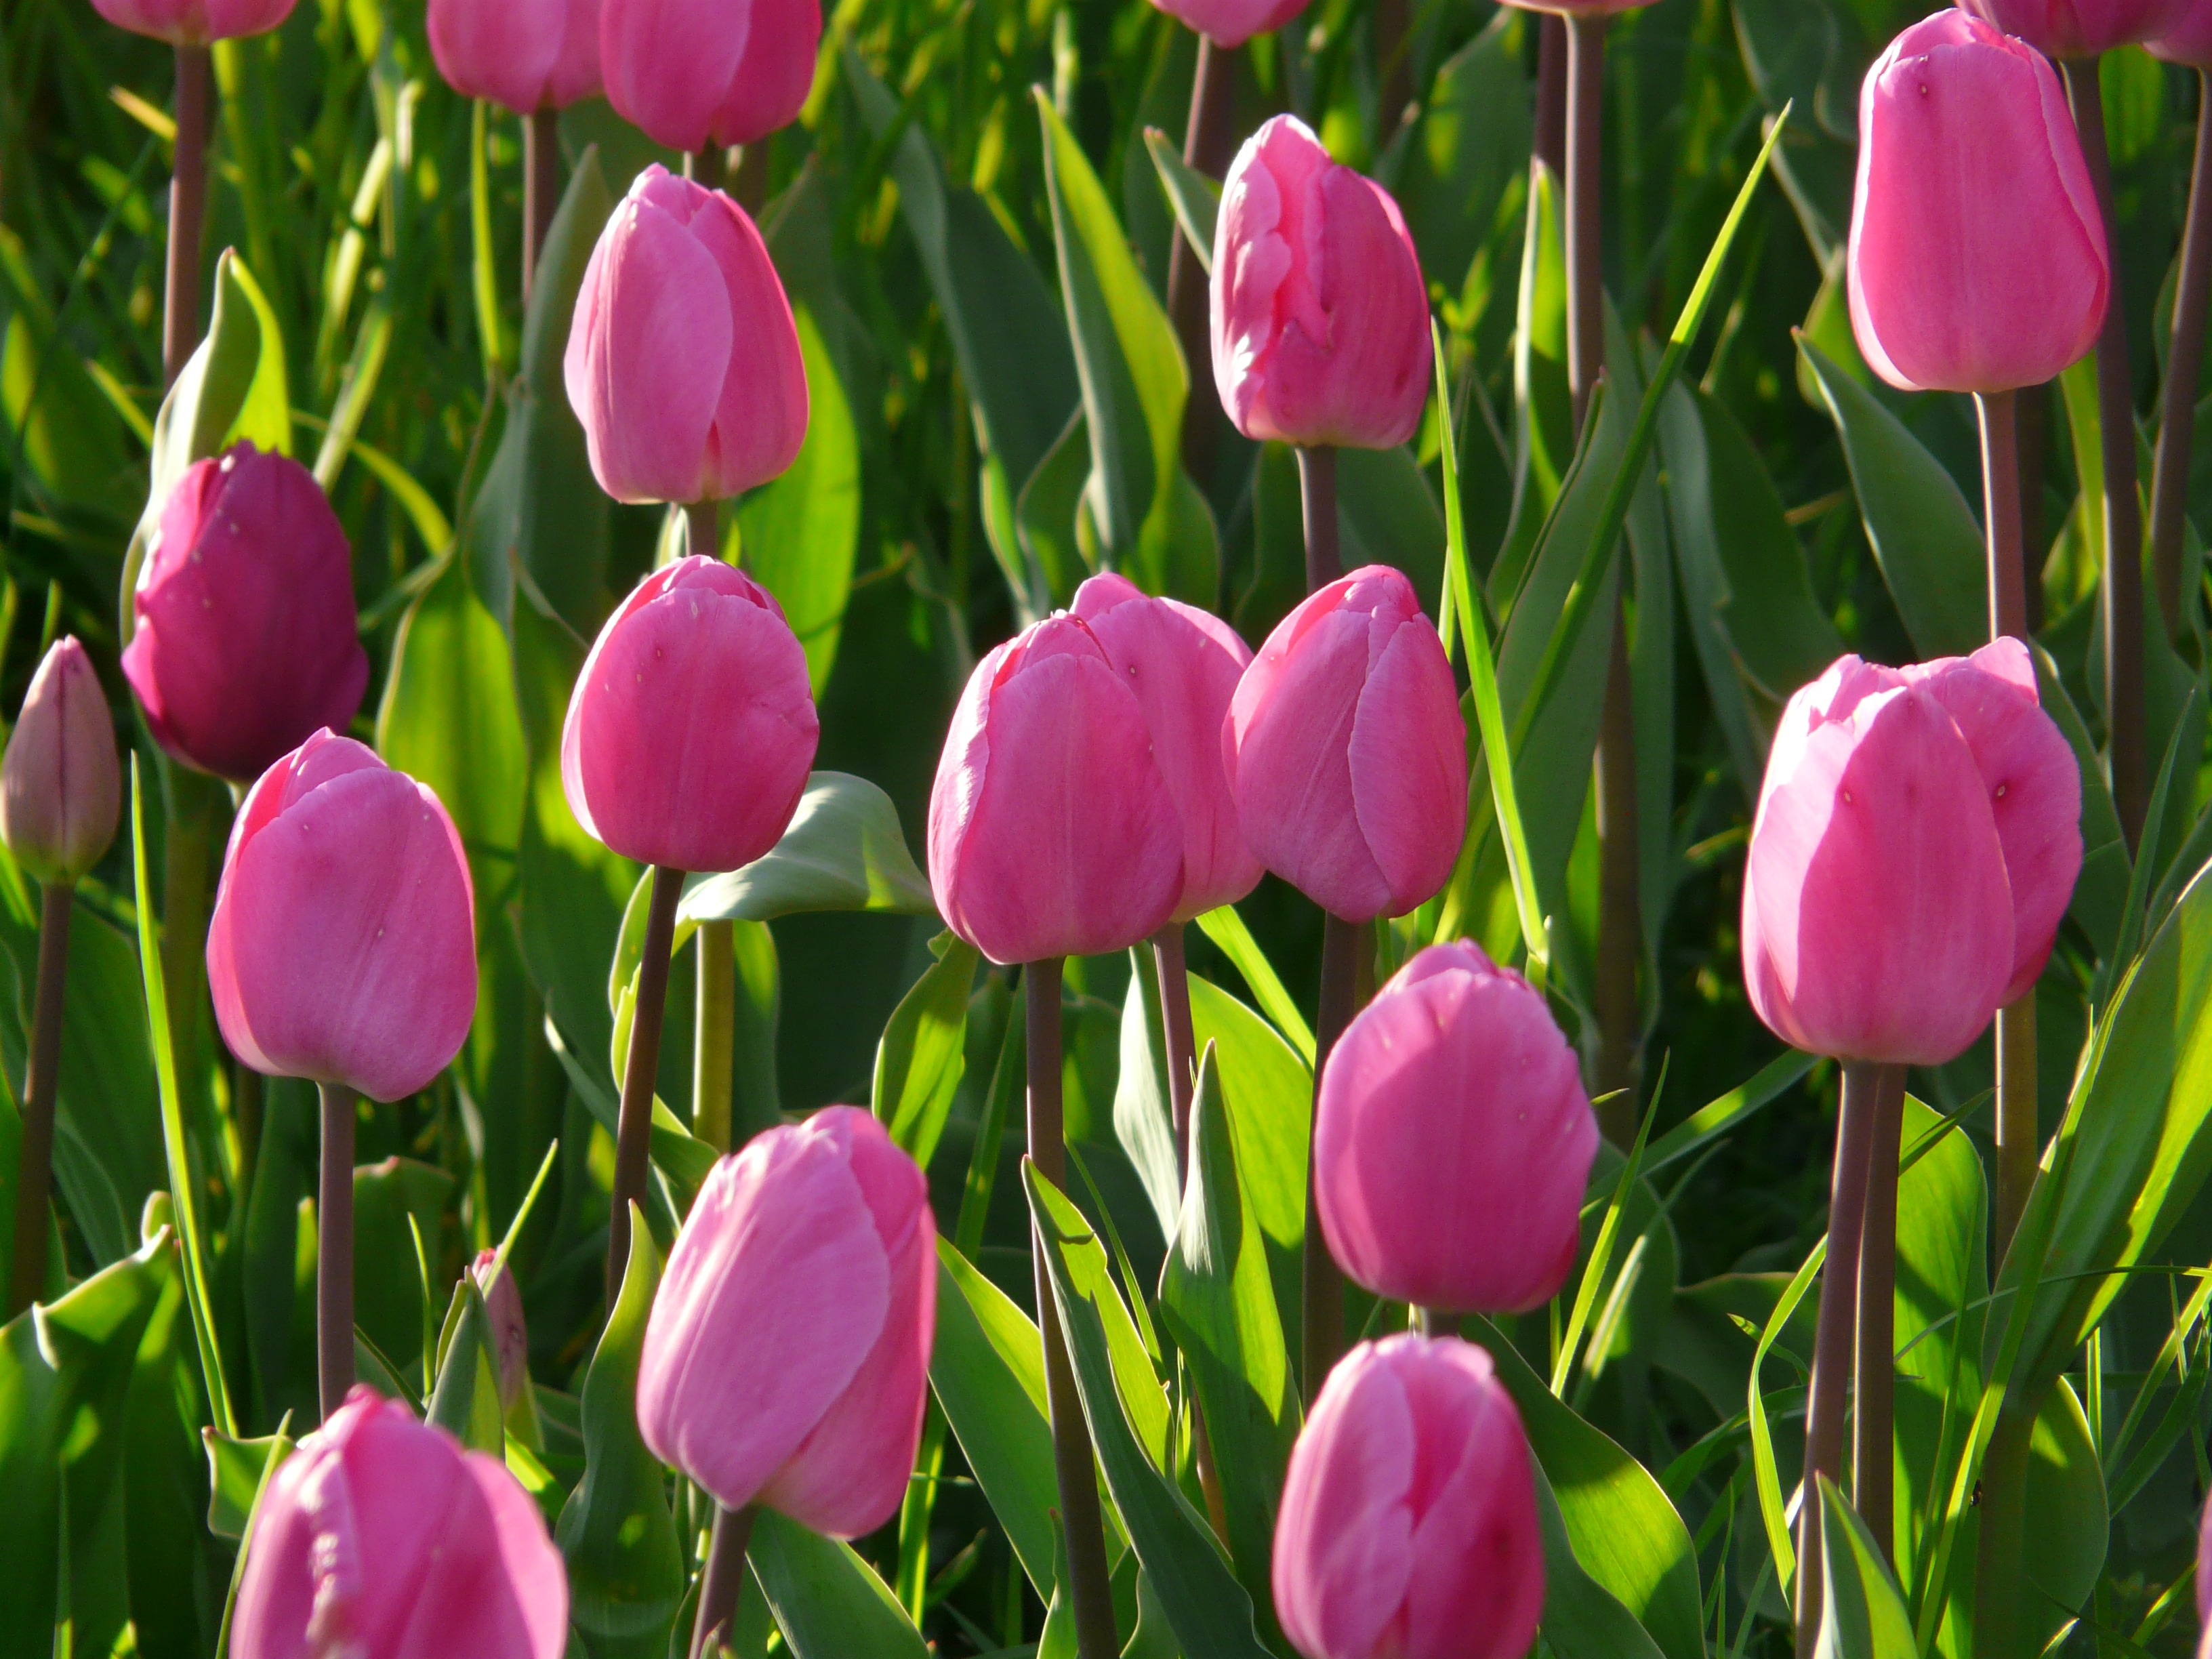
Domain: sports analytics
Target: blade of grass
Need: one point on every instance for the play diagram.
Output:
(1773, 1512)
(1601, 1251)
(1227, 929)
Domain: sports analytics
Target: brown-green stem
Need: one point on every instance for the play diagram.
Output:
(1875, 1388)
(702, 526)
(180, 307)
(541, 188)
(1208, 137)
(1322, 1301)
(27, 1273)
(641, 1070)
(722, 1580)
(1317, 500)
(714, 1035)
(334, 1251)
(1174, 974)
(2001, 1593)
(2177, 427)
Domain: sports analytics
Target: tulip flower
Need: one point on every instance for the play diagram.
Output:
(524, 55)
(381, 1538)
(194, 22)
(510, 1334)
(683, 361)
(1053, 831)
(245, 640)
(343, 946)
(1578, 8)
(1408, 1527)
(61, 790)
(692, 73)
(2080, 28)
(1231, 23)
(787, 1353)
(1346, 750)
(1978, 259)
(2189, 40)
(1320, 312)
(2204, 1582)
(1454, 1139)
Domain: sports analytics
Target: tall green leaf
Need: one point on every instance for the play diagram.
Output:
(828, 1602)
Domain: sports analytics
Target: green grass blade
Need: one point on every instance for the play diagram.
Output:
(1227, 929)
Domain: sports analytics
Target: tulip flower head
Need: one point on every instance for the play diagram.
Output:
(1579, 7)
(61, 788)
(1321, 316)
(525, 55)
(2080, 28)
(194, 22)
(1978, 259)
(1408, 1527)
(787, 1354)
(683, 361)
(343, 944)
(2190, 41)
(692, 73)
(1231, 23)
(510, 1333)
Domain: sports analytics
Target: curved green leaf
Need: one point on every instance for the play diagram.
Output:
(843, 850)
(828, 1602)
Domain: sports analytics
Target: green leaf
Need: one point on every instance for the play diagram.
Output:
(1862, 1616)
(1389, 513)
(1583, 1620)
(1471, 142)
(828, 1602)
(387, 1296)
(1717, 1117)
(922, 1054)
(1226, 928)
(1195, 199)
(236, 1471)
(1144, 1114)
(843, 851)
(1050, 516)
(2101, 892)
(465, 1403)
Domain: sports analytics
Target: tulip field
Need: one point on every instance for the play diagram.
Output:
(1105, 829)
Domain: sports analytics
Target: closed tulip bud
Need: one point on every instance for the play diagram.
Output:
(61, 789)
(1232, 23)
(692, 727)
(2204, 1583)
(342, 945)
(787, 1354)
(1053, 831)
(1877, 913)
(692, 73)
(2188, 41)
(683, 361)
(1183, 665)
(1321, 316)
(525, 55)
(510, 1334)
(194, 22)
(1454, 1139)
(2080, 28)
(245, 640)
(1408, 1527)
(381, 1538)
(1347, 752)
(1579, 7)
(1978, 259)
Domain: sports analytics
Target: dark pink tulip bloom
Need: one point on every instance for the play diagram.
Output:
(61, 788)
(194, 22)
(1232, 23)
(692, 73)
(1578, 8)
(525, 55)
(2190, 41)
(2080, 28)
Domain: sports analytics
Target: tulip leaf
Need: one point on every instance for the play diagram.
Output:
(1195, 199)
(2100, 891)
(1543, 417)
(236, 1469)
(626, 1568)
(828, 1602)
(1862, 1613)
(1227, 929)
(843, 850)
(387, 1294)
(1389, 513)
(1053, 523)
(1468, 148)
(923, 1052)
(1209, 1609)
(1144, 1117)
(465, 1402)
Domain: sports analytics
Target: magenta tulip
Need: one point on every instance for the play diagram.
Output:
(2080, 28)
(787, 1354)
(692, 73)
(343, 946)
(510, 1333)
(692, 727)
(683, 361)
(1346, 750)
(1408, 1528)
(1578, 8)
(1321, 315)
(2188, 41)
(194, 22)
(525, 55)
(1978, 259)
(1877, 913)
(245, 639)
(1453, 1140)
(381, 1538)
(1052, 830)
(1183, 665)
(1231, 23)
(61, 789)
(2204, 1584)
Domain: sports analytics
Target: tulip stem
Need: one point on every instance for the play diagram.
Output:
(1090, 1587)
(709, 168)
(702, 523)
(34, 1173)
(1999, 1595)
(2020, 1131)
(1322, 1327)
(1833, 1337)
(1317, 499)
(713, 1038)
(180, 310)
(2177, 427)
(1207, 141)
(2116, 424)
(541, 188)
(2000, 506)
(641, 1070)
(334, 1251)
(1182, 1045)
(1550, 148)
(1585, 226)
(722, 1581)
(1874, 1391)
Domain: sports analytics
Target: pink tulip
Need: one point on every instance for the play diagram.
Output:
(61, 790)
(510, 1333)
(526, 55)
(194, 22)
(692, 73)
(343, 946)
(1346, 750)
(2204, 1583)
(1978, 259)
(1877, 913)
(1183, 665)
(381, 1538)
(692, 726)
(2188, 41)
(1231, 23)
(1408, 1528)
(2080, 28)
(682, 360)
(245, 639)
(1321, 315)
(1454, 1139)
(1052, 830)
(1578, 8)
(787, 1354)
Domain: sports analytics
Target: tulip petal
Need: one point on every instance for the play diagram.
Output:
(773, 79)
(667, 65)
(1342, 1544)
(503, 52)
(761, 410)
(1408, 765)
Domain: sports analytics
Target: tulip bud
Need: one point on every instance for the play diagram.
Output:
(510, 1334)
(1877, 913)
(1346, 750)
(1182, 664)
(342, 945)
(1231, 23)
(2188, 41)
(61, 790)
(696, 73)
(194, 22)
(1578, 8)
(381, 1538)
(683, 361)
(1408, 1528)
(1052, 831)
(245, 639)
(1978, 259)
(2080, 28)
(787, 1353)
(1454, 1139)
(525, 55)
(1321, 316)
(2204, 1583)
(692, 727)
